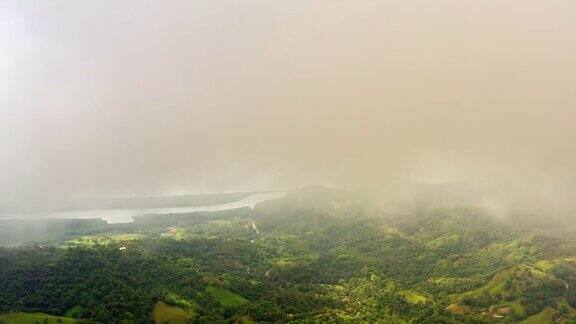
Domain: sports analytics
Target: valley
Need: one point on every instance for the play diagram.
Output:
(317, 254)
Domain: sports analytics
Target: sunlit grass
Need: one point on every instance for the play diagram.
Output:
(414, 297)
(164, 313)
(93, 240)
(226, 297)
(33, 318)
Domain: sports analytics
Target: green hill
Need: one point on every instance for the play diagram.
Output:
(317, 255)
(528, 292)
(34, 318)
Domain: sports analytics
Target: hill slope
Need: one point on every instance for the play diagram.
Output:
(318, 254)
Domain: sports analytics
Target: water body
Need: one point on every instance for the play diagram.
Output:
(118, 216)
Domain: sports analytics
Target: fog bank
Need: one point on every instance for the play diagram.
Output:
(108, 98)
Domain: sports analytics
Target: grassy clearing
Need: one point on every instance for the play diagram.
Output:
(245, 320)
(164, 313)
(571, 311)
(33, 318)
(226, 297)
(177, 300)
(281, 263)
(544, 265)
(522, 276)
(515, 305)
(413, 297)
(551, 315)
(92, 240)
(545, 316)
(495, 285)
(457, 309)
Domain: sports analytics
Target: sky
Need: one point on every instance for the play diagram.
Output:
(138, 97)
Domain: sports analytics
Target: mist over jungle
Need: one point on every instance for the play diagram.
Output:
(287, 161)
(130, 98)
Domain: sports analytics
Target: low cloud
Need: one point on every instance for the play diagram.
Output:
(141, 97)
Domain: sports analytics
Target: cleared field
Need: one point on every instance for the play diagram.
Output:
(164, 313)
(413, 297)
(521, 276)
(226, 297)
(93, 240)
(545, 316)
(515, 305)
(33, 318)
(495, 285)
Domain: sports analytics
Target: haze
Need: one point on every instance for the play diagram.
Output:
(108, 98)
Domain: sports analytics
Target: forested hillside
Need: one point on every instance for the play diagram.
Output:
(318, 254)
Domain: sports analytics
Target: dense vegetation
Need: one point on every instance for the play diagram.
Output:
(318, 254)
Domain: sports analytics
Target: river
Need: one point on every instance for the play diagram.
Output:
(118, 216)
